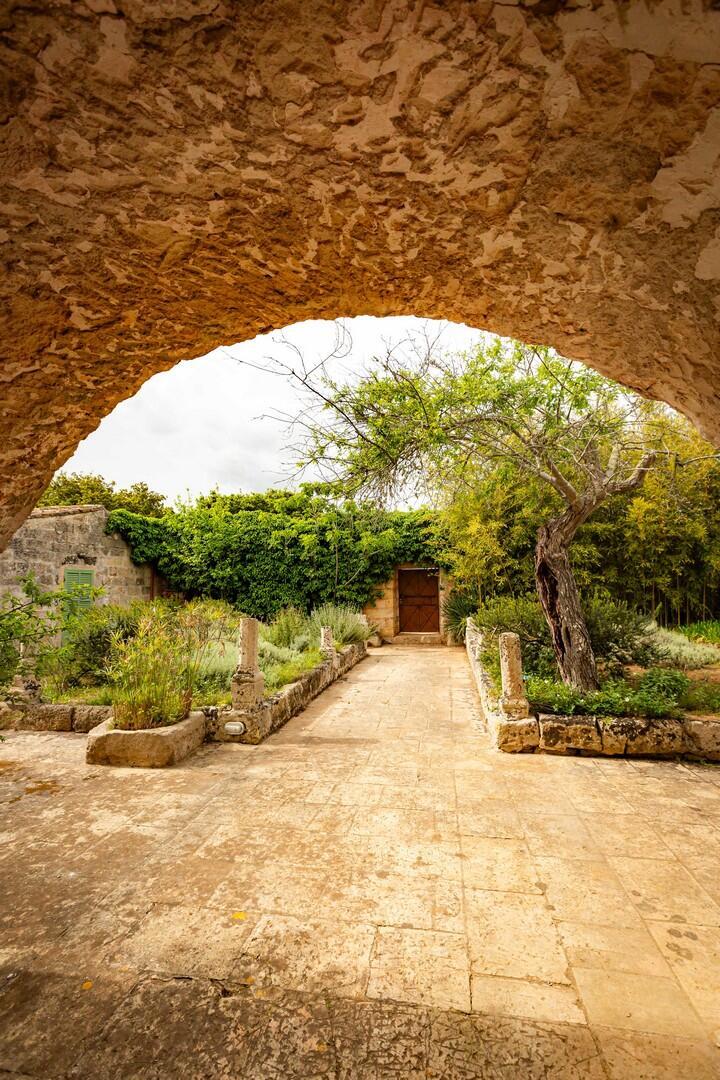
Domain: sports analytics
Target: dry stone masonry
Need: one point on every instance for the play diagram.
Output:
(516, 731)
(58, 538)
(180, 175)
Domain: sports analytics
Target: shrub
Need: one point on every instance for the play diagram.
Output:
(87, 639)
(457, 606)
(154, 674)
(521, 615)
(658, 694)
(287, 626)
(148, 677)
(27, 623)
(347, 624)
(664, 683)
(702, 697)
(619, 635)
(707, 631)
(674, 648)
(281, 672)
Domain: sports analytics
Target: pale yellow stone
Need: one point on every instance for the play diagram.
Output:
(693, 953)
(530, 1000)
(637, 1003)
(420, 966)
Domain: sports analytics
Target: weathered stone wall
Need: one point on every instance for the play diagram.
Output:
(384, 612)
(183, 174)
(58, 537)
(262, 719)
(696, 737)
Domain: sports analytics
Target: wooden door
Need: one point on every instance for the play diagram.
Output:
(419, 601)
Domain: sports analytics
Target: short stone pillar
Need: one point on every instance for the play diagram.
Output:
(513, 702)
(327, 645)
(247, 684)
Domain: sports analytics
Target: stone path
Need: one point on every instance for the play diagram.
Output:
(373, 893)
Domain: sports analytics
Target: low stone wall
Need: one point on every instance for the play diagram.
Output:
(695, 737)
(158, 747)
(267, 716)
(39, 716)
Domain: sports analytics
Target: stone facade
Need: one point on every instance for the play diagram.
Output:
(384, 612)
(59, 538)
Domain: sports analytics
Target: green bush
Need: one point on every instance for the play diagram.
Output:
(677, 650)
(348, 625)
(707, 631)
(457, 607)
(619, 635)
(87, 638)
(287, 626)
(702, 697)
(279, 673)
(155, 673)
(659, 693)
(521, 615)
(265, 552)
(28, 621)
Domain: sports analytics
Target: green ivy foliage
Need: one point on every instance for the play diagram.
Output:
(269, 551)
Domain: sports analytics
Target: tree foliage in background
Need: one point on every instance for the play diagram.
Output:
(418, 419)
(79, 489)
(657, 549)
(269, 551)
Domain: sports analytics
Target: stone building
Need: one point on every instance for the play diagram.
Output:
(410, 606)
(66, 546)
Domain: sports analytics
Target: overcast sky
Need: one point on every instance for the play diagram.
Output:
(208, 422)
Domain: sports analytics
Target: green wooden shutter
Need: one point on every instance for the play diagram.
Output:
(79, 583)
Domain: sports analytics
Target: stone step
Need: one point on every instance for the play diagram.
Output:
(418, 639)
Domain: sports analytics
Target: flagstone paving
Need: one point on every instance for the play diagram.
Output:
(372, 893)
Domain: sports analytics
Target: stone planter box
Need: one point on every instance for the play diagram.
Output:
(262, 719)
(147, 748)
(87, 717)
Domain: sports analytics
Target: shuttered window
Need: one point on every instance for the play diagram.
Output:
(79, 584)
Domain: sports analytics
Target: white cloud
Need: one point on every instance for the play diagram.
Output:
(207, 423)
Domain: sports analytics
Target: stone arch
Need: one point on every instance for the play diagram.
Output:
(182, 173)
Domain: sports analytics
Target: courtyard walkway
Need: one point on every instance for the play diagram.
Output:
(373, 893)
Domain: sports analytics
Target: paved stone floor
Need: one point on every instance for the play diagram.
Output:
(372, 893)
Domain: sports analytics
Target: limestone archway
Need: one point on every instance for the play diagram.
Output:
(182, 173)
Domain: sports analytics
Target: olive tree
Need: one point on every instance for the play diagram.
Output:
(417, 418)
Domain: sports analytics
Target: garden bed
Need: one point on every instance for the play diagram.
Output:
(261, 720)
(692, 736)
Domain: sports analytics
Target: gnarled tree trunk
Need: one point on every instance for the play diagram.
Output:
(560, 599)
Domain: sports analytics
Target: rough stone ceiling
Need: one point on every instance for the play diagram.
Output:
(190, 172)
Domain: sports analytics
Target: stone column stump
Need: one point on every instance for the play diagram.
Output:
(513, 702)
(327, 645)
(247, 684)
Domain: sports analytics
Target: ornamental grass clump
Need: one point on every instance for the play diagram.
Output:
(348, 625)
(154, 674)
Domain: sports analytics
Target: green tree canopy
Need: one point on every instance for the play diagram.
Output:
(83, 489)
(265, 552)
(461, 421)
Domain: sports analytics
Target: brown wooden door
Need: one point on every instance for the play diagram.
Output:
(419, 601)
